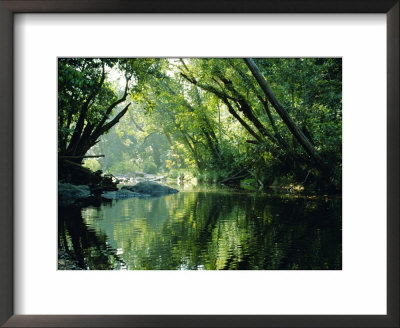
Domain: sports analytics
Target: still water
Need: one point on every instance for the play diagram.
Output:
(203, 229)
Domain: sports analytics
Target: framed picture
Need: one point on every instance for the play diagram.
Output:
(211, 112)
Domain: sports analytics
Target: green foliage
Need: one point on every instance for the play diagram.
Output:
(211, 176)
(173, 174)
(92, 164)
(91, 100)
(149, 168)
(123, 167)
(210, 117)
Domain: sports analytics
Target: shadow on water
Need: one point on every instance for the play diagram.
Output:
(204, 230)
(82, 248)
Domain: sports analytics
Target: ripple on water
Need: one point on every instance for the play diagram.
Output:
(205, 231)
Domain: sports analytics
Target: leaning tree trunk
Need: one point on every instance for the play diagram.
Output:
(294, 129)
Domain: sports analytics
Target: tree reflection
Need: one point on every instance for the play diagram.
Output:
(213, 230)
(80, 247)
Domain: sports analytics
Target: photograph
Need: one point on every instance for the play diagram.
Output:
(199, 163)
(155, 153)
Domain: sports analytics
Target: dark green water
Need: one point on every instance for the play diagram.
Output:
(214, 229)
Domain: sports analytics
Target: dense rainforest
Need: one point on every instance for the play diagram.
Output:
(265, 122)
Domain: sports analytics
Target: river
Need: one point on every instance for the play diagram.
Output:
(203, 228)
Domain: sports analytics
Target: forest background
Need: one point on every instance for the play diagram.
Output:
(266, 122)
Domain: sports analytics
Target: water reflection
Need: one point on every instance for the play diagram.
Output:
(80, 247)
(204, 230)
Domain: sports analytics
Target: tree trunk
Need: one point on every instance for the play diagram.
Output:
(299, 135)
(76, 135)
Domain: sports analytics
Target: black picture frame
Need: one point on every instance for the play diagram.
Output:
(10, 7)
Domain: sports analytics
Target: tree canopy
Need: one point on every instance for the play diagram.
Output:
(221, 119)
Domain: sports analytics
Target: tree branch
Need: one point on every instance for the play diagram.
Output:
(112, 106)
(110, 124)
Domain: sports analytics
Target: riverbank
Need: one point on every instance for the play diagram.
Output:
(69, 194)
